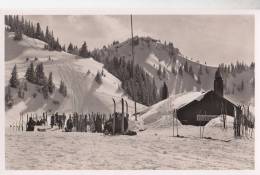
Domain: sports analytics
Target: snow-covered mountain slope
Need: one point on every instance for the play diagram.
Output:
(151, 53)
(84, 93)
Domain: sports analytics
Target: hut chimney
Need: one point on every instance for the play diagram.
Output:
(218, 83)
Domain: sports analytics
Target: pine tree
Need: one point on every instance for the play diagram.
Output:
(186, 68)
(83, 52)
(45, 88)
(30, 74)
(14, 82)
(159, 71)
(61, 89)
(164, 91)
(154, 94)
(47, 35)
(199, 81)
(65, 91)
(75, 50)
(64, 48)
(190, 70)
(70, 48)
(98, 78)
(38, 31)
(252, 65)
(18, 35)
(8, 97)
(200, 70)
(39, 72)
(50, 83)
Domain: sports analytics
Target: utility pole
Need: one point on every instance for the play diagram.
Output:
(132, 43)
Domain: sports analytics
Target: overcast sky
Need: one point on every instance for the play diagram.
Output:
(211, 38)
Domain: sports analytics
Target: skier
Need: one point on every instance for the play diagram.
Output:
(56, 118)
(69, 125)
(60, 121)
(52, 120)
(30, 125)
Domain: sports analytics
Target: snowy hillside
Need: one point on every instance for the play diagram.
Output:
(152, 54)
(84, 93)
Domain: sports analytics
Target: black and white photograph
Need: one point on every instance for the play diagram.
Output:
(129, 92)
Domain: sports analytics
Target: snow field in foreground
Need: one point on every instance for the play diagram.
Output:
(150, 149)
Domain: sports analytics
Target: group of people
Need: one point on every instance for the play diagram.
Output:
(80, 122)
(93, 122)
(58, 120)
(32, 123)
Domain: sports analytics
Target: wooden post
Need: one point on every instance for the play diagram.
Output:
(19, 123)
(114, 105)
(135, 112)
(122, 124)
(126, 104)
(177, 125)
(114, 118)
(200, 129)
(113, 124)
(46, 118)
(26, 122)
(22, 122)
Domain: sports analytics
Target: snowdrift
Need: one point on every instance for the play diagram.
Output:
(218, 122)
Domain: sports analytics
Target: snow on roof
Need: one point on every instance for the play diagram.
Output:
(173, 102)
(184, 99)
(230, 99)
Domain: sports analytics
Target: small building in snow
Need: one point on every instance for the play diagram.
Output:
(210, 103)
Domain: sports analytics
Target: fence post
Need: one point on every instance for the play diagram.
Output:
(26, 122)
(177, 125)
(22, 122)
(113, 124)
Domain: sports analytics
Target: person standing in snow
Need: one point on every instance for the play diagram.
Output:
(30, 125)
(52, 120)
(69, 125)
(60, 121)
